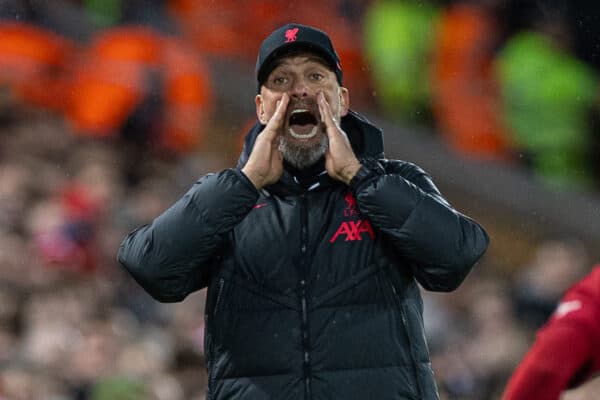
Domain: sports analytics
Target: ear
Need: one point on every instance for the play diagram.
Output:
(344, 101)
(260, 109)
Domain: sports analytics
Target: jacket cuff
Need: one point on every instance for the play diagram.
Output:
(370, 169)
(245, 179)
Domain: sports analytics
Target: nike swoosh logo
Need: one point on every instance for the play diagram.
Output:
(567, 307)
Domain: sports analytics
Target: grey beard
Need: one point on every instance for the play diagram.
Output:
(301, 157)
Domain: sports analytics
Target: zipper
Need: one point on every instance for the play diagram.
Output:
(303, 296)
(305, 341)
(406, 330)
(220, 286)
(211, 378)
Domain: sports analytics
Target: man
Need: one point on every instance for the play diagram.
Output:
(564, 361)
(311, 248)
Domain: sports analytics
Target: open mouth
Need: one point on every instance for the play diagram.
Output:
(303, 124)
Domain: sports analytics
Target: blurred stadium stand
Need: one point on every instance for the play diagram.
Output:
(82, 162)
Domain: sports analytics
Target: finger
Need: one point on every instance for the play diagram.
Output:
(277, 156)
(334, 131)
(276, 121)
(326, 114)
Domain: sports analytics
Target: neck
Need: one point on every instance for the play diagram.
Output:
(306, 176)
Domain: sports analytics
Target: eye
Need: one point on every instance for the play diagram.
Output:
(316, 76)
(280, 80)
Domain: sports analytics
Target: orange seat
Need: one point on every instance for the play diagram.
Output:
(212, 27)
(109, 82)
(34, 63)
(188, 97)
(117, 76)
(465, 95)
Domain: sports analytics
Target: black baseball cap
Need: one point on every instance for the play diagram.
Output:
(294, 37)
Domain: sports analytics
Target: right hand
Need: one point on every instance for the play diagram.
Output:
(340, 161)
(265, 163)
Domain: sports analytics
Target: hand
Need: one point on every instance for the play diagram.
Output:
(585, 391)
(340, 161)
(265, 163)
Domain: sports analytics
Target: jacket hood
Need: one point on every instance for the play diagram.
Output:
(366, 139)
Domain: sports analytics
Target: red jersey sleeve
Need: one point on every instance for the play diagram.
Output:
(564, 346)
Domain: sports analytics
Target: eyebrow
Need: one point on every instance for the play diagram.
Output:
(311, 58)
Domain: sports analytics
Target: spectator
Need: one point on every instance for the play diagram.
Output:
(549, 98)
(47, 334)
(556, 264)
(148, 13)
(473, 361)
(399, 37)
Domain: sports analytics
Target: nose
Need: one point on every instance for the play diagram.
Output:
(299, 89)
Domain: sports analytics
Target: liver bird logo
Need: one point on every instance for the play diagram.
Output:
(290, 35)
(350, 201)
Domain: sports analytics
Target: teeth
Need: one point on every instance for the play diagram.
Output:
(312, 133)
(299, 110)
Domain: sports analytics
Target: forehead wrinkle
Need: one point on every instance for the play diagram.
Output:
(303, 59)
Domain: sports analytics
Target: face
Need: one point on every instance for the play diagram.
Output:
(302, 76)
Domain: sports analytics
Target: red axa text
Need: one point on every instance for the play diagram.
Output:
(353, 230)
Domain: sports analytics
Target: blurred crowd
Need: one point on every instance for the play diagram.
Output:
(109, 110)
(508, 80)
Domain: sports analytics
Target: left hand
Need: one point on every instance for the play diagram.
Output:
(340, 161)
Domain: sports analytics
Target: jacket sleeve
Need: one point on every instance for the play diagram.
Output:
(440, 244)
(171, 256)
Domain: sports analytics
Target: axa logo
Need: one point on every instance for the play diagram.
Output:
(290, 35)
(353, 230)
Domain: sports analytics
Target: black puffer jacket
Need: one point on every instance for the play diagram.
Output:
(312, 289)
